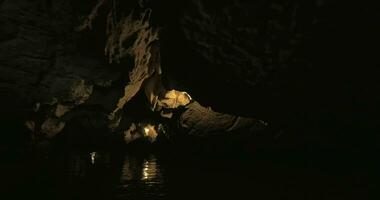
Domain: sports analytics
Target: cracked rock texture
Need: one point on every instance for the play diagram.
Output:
(43, 74)
(305, 66)
(282, 61)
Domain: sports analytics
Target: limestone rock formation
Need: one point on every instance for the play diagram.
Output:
(49, 74)
(201, 121)
(67, 64)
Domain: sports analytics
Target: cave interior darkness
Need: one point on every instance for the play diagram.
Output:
(292, 83)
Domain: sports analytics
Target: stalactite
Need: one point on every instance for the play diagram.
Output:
(144, 36)
(133, 36)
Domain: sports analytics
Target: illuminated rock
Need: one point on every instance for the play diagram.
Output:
(198, 120)
(61, 110)
(52, 127)
(175, 99)
(141, 130)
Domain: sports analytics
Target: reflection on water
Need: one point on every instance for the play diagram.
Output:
(150, 170)
(126, 176)
(141, 178)
(93, 156)
(147, 171)
(116, 176)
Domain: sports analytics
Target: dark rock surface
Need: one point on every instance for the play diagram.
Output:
(201, 121)
(307, 67)
(289, 63)
(43, 72)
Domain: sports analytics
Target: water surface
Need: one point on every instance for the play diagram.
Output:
(130, 176)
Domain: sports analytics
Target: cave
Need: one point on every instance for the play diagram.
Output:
(192, 99)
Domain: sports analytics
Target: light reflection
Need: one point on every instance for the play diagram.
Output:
(150, 132)
(145, 173)
(146, 130)
(145, 170)
(142, 174)
(129, 169)
(93, 157)
(150, 169)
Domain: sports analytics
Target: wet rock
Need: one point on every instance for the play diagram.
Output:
(141, 130)
(52, 127)
(198, 120)
(31, 125)
(61, 110)
(44, 73)
(174, 99)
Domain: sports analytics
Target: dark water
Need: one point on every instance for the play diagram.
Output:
(129, 176)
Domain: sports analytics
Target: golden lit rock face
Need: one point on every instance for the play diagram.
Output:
(159, 97)
(142, 50)
(172, 100)
(150, 132)
(130, 134)
(175, 99)
(153, 88)
(134, 132)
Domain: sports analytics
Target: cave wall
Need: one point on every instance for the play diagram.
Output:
(36, 44)
(300, 65)
(43, 70)
(306, 67)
